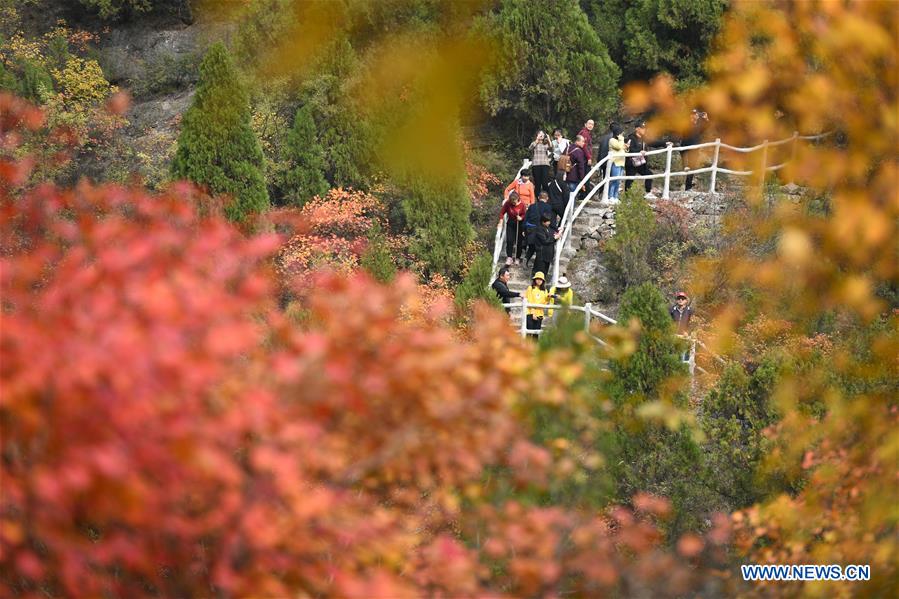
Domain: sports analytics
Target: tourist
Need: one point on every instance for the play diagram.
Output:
(501, 287)
(578, 164)
(541, 153)
(532, 219)
(523, 187)
(560, 146)
(545, 242)
(617, 150)
(587, 134)
(681, 312)
(558, 197)
(536, 293)
(602, 151)
(561, 294)
(640, 164)
(514, 211)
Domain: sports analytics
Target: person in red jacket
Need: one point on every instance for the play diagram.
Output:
(523, 187)
(514, 210)
(587, 134)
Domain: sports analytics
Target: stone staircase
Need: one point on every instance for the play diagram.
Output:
(593, 219)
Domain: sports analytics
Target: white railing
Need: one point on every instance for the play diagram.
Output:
(572, 213)
(500, 240)
(589, 315)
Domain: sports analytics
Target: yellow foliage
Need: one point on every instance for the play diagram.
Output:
(814, 67)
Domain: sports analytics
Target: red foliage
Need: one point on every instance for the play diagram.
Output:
(166, 431)
(331, 231)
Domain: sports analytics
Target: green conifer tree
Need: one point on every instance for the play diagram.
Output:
(305, 177)
(556, 71)
(217, 146)
(647, 456)
(438, 213)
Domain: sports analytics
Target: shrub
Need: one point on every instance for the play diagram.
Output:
(476, 285)
(377, 259)
(217, 146)
(629, 250)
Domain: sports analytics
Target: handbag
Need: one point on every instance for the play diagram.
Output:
(638, 160)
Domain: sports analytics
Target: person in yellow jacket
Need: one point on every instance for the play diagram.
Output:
(617, 150)
(536, 293)
(561, 294)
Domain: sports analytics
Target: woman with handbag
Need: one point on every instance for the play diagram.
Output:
(639, 164)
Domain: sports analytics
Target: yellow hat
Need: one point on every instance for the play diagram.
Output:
(538, 275)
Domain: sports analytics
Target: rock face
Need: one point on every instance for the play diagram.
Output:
(157, 63)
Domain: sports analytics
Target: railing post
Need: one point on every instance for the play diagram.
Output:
(524, 317)
(793, 154)
(764, 164)
(666, 192)
(692, 361)
(715, 165)
(587, 317)
(606, 170)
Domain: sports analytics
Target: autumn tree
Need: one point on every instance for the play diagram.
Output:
(824, 266)
(217, 147)
(166, 430)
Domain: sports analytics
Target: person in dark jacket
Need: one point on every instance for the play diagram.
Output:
(501, 286)
(545, 240)
(532, 218)
(640, 164)
(681, 313)
(587, 134)
(578, 163)
(558, 196)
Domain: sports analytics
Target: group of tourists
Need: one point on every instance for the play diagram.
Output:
(535, 202)
(536, 295)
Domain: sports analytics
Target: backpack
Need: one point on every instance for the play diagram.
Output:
(564, 163)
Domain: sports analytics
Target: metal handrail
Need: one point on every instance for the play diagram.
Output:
(589, 315)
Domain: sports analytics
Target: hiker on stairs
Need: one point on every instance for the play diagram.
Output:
(545, 242)
(558, 197)
(532, 218)
(501, 287)
(515, 212)
(536, 293)
(561, 293)
(523, 187)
